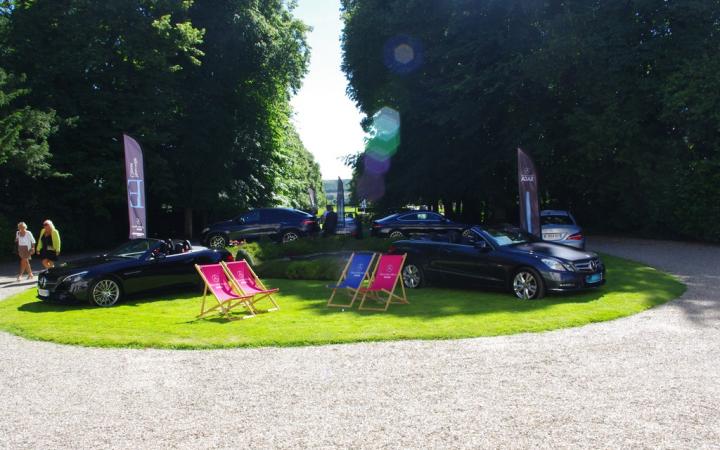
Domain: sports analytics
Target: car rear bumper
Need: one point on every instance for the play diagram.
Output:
(571, 281)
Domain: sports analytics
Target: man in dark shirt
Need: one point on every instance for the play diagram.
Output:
(330, 225)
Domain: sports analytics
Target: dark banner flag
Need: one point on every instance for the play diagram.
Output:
(340, 203)
(528, 187)
(135, 180)
(313, 198)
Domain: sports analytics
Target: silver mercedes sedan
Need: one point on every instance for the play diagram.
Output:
(560, 227)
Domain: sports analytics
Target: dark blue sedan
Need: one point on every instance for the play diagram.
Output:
(415, 223)
(504, 258)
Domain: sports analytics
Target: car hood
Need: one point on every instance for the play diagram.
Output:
(79, 265)
(554, 250)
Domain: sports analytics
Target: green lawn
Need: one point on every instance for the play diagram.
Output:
(434, 313)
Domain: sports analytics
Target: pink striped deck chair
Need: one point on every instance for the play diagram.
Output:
(384, 281)
(246, 282)
(219, 285)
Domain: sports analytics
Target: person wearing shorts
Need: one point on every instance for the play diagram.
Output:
(48, 246)
(25, 247)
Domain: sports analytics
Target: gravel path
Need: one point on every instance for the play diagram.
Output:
(650, 380)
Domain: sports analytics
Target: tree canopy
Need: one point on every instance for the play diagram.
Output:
(617, 101)
(203, 86)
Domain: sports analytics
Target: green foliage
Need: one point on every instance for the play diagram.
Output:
(617, 102)
(303, 318)
(328, 268)
(267, 250)
(203, 86)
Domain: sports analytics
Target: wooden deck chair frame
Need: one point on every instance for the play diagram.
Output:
(224, 307)
(391, 296)
(349, 290)
(254, 298)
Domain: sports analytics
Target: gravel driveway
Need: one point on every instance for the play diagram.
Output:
(650, 380)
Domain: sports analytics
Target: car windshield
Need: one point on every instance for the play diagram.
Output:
(133, 249)
(503, 237)
(556, 220)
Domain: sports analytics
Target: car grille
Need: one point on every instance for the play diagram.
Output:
(45, 282)
(590, 265)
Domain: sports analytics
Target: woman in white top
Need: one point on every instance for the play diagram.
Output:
(25, 243)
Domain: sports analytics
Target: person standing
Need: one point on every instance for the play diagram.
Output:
(25, 245)
(331, 219)
(48, 246)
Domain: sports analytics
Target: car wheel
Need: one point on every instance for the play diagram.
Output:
(105, 292)
(413, 276)
(217, 241)
(397, 234)
(528, 285)
(289, 236)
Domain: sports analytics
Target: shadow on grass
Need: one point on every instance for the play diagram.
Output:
(442, 300)
(41, 306)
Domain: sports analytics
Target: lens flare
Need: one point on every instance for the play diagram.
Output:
(386, 123)
(380, 146)
(371, 186)
(376, 166)
(403, 54)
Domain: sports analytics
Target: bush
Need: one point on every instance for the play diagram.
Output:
(266, 250)
(316, 269)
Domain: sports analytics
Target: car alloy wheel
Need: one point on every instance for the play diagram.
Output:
(397, 235)
(289, 237)
(105, 293)
(217, 241)
(525, 285)
(412, 276)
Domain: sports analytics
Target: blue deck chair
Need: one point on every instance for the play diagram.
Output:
(355, 272)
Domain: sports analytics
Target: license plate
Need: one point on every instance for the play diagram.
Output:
(594, 278)
(551, 236)
(43, 292)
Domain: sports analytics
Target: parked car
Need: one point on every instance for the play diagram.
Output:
(560, 227)
(137, 266)
(281, 224)
(501, 258)
(415, 223)
(349, 226)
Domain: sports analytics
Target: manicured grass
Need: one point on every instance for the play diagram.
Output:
(434, 313)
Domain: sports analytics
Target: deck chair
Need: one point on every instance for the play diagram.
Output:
(351, 279)
(247, 283)
(217, 282)
(383, 283)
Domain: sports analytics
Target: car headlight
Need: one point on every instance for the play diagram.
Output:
(554, 264)
(74, 277)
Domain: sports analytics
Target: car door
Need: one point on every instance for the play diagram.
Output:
(434, 223)
(248, 226)
(476, 261)
(159, 270)
(408, 224)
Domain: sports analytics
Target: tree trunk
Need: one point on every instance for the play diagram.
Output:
(188, 223)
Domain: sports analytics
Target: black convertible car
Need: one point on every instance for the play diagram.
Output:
(137, 266)
(504, 258)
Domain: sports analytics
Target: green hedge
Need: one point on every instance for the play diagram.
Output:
(266, 250)
(315, 269)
